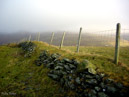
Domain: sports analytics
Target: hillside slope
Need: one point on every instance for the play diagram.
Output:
(19, 76)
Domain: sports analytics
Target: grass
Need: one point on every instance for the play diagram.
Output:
(21, 77)
(103, 58)
(107, 52)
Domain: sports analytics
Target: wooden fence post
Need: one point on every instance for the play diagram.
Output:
(79, 39)
(51, 38)
(29, 38)
(117, 45)
(38, 36)
(61, 44)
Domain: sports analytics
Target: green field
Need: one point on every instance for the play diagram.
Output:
(107, 52)
(21, 77)
(103, 58)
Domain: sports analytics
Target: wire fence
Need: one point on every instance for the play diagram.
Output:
(95, 38)
(99, 38)
(106, 38)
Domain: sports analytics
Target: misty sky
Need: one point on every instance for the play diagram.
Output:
(62, 15)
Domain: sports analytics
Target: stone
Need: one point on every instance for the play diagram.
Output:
(91, 70)
(64, 73)
(91, 81)
(108, 81)
(85, 64)
(38, 63)
(92, 93)
(66, 60)
(119, 85)
(111, 89)
(70, 77)
(97, 88)
(102, 75)
(89, 76)
(58, 68)
(102, 85)
(78, 80)
(67, 67)
(75, 62)
(62, 81)
(55, 56)
(50, 65)
(53, 76)
(72, 66)
(60, 64)
(101, 94)
(98, 77)
(72, 86)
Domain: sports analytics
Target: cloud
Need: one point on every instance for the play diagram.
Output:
(53, 15)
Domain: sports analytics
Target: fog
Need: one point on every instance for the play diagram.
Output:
(62, 15)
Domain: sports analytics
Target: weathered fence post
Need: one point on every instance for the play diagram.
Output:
(79, 39)
(61, 44)
(26, 39)
(29, 38)
(38, 36)
(51, 38)
(117, 45)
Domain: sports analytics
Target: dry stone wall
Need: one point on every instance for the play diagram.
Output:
(80, 77)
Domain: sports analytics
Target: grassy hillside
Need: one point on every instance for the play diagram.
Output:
(106, 52)
(103, 58)
(19, 76)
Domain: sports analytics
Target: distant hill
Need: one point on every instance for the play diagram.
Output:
(126, 36)
(87, 39)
